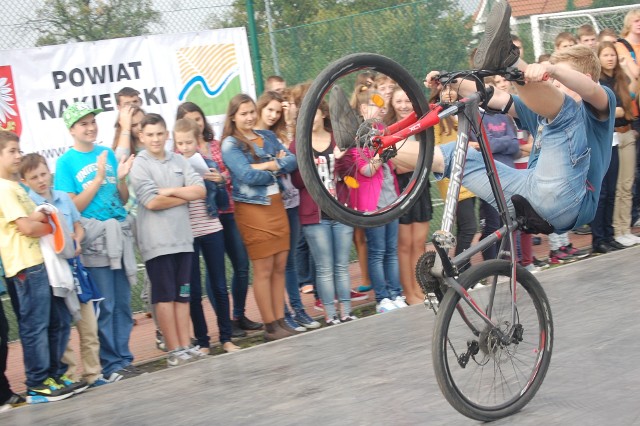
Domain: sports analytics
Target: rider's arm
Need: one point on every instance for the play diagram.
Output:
(498, 101)
(582, 84)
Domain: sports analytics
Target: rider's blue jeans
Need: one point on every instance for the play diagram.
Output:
(556, 185)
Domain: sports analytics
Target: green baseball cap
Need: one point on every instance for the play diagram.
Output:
(76, 111)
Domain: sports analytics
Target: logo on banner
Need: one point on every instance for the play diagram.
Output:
(210, 76)
(9, 114)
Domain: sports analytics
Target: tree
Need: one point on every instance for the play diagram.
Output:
(62, 21)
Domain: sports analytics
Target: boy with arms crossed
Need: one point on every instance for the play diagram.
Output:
(165, 182)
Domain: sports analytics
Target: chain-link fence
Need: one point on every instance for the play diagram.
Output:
(298, 38)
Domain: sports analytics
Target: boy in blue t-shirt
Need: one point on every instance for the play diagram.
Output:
(96, 183)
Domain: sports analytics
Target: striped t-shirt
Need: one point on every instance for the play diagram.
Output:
(201, 222)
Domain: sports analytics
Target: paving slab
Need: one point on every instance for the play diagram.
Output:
(378, 370)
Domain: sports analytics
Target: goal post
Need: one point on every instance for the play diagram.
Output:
(545, 27)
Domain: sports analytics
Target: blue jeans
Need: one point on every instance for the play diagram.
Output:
(305, 265)
(59, 331)
(330, 244)
(115, 321)
(382, 259)
(235, 249)
(39, 326)
(212, 247)
(555, 187)
(291, 272)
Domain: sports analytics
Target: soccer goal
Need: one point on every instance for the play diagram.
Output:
(544, 28)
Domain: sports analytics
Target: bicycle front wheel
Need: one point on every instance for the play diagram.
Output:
(353, 131)
(482, 377)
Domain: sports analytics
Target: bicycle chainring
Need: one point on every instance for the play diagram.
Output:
(428, 283)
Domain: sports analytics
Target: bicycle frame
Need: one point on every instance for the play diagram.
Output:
(445, 267)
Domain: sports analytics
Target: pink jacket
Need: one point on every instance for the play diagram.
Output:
(365, 197)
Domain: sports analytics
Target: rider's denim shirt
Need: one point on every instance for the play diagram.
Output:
(250, 185)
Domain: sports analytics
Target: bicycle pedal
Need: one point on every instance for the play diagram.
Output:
(431, 302)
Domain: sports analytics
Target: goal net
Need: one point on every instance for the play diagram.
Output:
(544, 28)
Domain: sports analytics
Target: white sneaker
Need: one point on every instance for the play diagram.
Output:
(385, 305)
(624, 240)
(400, 302)
(633, 238)
(178, 357)
(195, 352)
(637, 223)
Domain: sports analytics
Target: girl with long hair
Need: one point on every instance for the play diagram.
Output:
(616, 203)
(256, 160)
(210, 149)
(271, 116)
(329, 240)
(414, 225)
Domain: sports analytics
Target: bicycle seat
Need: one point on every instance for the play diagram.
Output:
(529, 221)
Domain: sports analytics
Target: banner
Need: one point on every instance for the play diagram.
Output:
(36, 85)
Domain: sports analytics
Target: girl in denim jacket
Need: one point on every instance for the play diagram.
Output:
(256, 159)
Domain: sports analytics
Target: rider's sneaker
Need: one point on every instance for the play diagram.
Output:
(496, 50)
(574, 252)
(557, 257)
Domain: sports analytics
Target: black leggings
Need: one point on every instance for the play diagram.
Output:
(467, 225)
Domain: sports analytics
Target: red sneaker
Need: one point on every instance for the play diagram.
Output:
(356, 295)
(318, 306)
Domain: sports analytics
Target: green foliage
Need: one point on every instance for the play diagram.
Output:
(288, 13)
(62, 21)
(421, 35)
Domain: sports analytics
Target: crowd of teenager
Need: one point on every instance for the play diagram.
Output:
(181, 200)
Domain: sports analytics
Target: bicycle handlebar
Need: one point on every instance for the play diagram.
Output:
(510, 74)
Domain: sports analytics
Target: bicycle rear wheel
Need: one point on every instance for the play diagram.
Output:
(335, 85)
(497, 379)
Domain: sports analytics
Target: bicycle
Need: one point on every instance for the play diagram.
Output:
(493, 334)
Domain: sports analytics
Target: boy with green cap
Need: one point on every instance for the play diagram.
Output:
(96, 183)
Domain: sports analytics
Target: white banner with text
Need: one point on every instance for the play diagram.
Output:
(36, 85)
